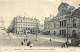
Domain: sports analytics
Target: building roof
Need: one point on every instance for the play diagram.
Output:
(76, 13)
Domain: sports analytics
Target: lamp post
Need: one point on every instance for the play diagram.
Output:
(67, 42)
(36, 30)
(67, 32)
(36, 33)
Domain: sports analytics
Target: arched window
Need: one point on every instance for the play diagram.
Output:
(74, 22)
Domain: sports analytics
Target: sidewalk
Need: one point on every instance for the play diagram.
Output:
(43, 40)
(55, 38)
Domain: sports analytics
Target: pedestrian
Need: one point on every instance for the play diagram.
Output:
(63, 45)
(50, 40)
(24, 40)
(28, 44)
(66, 44)
(22, 43)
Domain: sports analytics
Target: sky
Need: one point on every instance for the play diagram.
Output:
(31, 8)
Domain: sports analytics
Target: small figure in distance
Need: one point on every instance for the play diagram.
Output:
(50, 40)
(22, 43)
(28, 44)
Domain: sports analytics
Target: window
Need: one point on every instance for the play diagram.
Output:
(60, 32)
(74, 23)
(64, 23)
(60, 23)
(65, 32)
(63, 11)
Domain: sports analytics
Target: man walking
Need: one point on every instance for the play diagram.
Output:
(24, 40)
(22, 43)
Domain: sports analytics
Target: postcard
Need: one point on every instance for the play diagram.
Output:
(39, 25)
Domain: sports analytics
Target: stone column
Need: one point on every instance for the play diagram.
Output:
(61, 23)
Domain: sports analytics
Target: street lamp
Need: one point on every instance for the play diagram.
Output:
(36, 30)
(36, 33)
(67, 32)
(67, 42)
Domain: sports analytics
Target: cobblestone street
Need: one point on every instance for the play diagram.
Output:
(43, 40)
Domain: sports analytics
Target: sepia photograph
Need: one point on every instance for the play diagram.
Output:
(39, 25)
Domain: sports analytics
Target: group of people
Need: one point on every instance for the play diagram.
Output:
(66, 44)
(25, 40)
(28, 43)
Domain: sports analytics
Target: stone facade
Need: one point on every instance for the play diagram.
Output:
(22, 24)
(64, 23)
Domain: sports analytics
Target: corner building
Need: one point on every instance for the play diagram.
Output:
(24, 24)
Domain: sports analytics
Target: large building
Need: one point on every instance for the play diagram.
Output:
(24, 24)
(67, 21)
